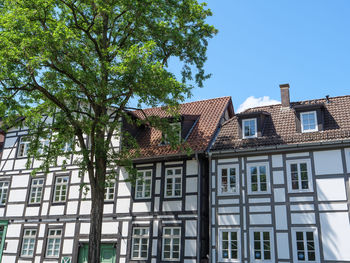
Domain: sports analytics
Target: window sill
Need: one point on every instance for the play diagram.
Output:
(259, 193)
(249, 137)
(145, 199)
(172, 197)
(58, 203)
(34, 204)
(228, 194)
(26, 257)
(300, 191)
(308, 131)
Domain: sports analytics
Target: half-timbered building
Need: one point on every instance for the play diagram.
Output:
(280, 183)
(164, 217)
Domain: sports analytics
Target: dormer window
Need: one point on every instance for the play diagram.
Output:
(176, 127)
(251, 124)
(309, 117)
(249, 128)
(308, 121)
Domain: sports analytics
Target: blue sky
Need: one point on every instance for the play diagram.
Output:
(264, 43)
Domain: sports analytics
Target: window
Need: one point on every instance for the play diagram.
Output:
(143, 184)
(109, 191)
(228, 179)
(61, 189)
(347, 158)
(23, 146)
(3, 229)
(229, 246)
(53, 243)
(299, 176)
(249, 128)
(28, 242)
(176, 126)
(44, 144)
(36, 191)
(68, 147)
(261, 244)
(308, 121)
(171, 243)
(305, 245)
(4, 187)
(258, 178)
(140, 239)
(173, 182)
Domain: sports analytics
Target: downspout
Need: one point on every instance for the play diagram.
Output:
(199, 210)
(210, 208)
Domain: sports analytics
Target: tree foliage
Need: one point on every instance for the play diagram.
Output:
(82, 61)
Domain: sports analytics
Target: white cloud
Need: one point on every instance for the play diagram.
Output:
(252, 102)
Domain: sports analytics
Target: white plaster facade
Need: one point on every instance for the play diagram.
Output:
(322, 209)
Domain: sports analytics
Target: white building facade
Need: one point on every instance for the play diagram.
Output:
(280, 184)
(163, 218)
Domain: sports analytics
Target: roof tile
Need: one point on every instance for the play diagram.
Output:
(206, 115)
(280, 126)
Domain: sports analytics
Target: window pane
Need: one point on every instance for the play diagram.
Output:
(294, 168)
(311, 256)
(309, 236)
(267, 255)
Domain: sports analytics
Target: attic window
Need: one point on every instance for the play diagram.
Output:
(249, 128)
(176, 126)
(309, 117)
(308, 121)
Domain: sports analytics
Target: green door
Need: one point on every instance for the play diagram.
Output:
(107, 254)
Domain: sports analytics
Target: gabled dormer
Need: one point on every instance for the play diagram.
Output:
(183, 127)
(309, 118)
(251, 124)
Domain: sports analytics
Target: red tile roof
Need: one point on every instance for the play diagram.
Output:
(205, 116)
(280, 126)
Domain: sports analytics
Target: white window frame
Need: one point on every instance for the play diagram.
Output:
(29, 238)
(172, 237)
(347, 158)
(316, 244)
(25, 145)
(256, 128)
(309, 175)
(272, 244)
(109, 194)
(57, 238)
(230, 230)
(43, 143)
(140, 237)
(60, 186)
(268, 180)
(36, 190)
(173, 178)
(220, 185)
(173, 125)
(4, 191)
(141, 183)
(68, 146)
(302, 114)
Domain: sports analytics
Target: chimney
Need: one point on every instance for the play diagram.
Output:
(285, 95)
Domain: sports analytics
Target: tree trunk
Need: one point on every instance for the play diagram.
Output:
(97, 184)
(97, 201)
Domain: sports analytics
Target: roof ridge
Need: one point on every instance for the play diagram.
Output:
(299, 101)
(197, 101)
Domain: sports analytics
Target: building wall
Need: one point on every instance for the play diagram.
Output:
(72, 216)
(324, 210)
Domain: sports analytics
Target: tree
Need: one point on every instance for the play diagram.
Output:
(82, 61)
